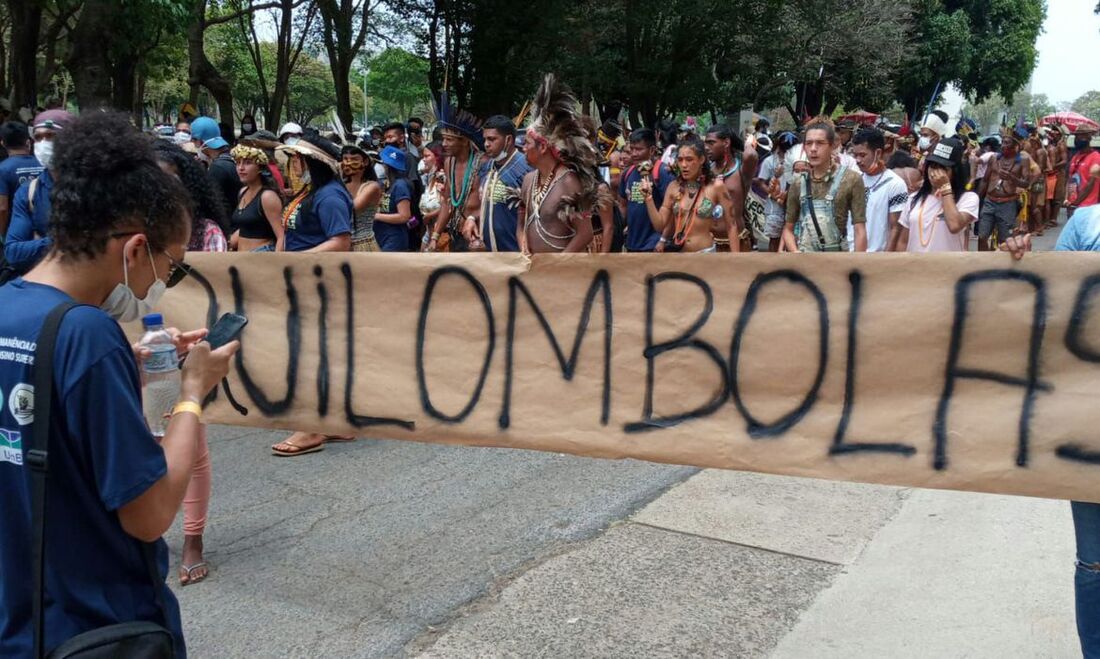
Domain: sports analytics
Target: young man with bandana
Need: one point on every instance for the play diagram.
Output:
(1008, 174)
(462, 144)
(501, 177)
(557, 199)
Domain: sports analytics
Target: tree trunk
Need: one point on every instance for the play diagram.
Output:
(87, 61)
(26, 23)
(124, 82)
(201, 71)
(340, 78)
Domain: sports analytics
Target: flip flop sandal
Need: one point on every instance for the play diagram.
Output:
(188, 569)
(298, 450)
(329, 439)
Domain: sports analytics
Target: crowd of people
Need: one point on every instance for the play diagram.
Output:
(91, 210)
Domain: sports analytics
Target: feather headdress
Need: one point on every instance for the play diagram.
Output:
(556, 118)
(459, 121)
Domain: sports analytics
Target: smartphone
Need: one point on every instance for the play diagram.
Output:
(225, 330)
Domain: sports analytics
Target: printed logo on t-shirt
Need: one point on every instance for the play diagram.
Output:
(21, 403)
(636, 195)
(11, 446)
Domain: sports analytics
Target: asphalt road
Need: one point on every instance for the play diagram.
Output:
(358, 550)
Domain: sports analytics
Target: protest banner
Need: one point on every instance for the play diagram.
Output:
(955, 371)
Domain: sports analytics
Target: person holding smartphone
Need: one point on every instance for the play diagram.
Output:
(121, 227)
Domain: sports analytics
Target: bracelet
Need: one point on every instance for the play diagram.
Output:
(187, 406)
(435, 235)
(662, 240)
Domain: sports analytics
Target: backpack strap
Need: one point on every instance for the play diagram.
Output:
(37, 455)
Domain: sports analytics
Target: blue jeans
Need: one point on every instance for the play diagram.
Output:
(265, 248)
(1086, 582)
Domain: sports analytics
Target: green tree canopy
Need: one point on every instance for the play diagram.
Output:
(398, 78)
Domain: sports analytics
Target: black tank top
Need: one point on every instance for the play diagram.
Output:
(251, 221)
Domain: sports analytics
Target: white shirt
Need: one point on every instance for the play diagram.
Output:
(886, 193)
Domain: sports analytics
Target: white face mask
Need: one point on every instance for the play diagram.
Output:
(292, 140)
(1046, 142)
(44, 152)
(924, 143)
(124, 305)
(503, 155)
(422, 167)
(246, 128)
(203, 158)
(380, 171)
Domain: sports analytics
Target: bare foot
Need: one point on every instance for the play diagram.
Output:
(299, 443)
(192, 567)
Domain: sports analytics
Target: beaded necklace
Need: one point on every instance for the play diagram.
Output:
(459, 203)
(684, 227)
(920, 224)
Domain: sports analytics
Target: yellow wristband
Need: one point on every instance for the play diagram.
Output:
(187, 406)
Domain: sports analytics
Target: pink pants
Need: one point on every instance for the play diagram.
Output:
(196, 501)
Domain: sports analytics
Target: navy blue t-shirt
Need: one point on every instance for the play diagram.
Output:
(16, 170)
(499, 205)
(393, 237)
(102, 457)
(640, 234)
(316, 220)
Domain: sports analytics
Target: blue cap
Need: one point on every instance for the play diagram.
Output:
(152, 320)
(394, 157)
(206, 130)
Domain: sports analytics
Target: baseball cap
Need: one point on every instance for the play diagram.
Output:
(948, 152)
(394, 157)
(206, 130)
(52, 119)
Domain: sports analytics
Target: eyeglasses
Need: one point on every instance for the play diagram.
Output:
(177, 270)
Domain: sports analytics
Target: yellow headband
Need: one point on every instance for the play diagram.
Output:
(242, 152)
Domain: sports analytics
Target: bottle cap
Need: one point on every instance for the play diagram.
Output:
(151, 320)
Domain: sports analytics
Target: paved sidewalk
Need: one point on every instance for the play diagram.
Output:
(747, 565)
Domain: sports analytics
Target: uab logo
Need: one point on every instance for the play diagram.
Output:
(11, 446)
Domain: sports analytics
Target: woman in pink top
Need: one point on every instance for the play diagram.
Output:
(939, 214)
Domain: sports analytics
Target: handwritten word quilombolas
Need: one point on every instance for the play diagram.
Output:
(972, 373)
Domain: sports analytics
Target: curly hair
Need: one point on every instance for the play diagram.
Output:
(706, 174)
(206, 202)
(108, 180)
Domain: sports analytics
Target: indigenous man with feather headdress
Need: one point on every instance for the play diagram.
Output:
(557, 199)
(463, 145)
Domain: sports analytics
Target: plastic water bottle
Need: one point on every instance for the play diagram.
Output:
(162, 374)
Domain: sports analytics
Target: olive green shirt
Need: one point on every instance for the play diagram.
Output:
(851, 197)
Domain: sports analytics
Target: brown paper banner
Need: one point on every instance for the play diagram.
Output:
(952, 371)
